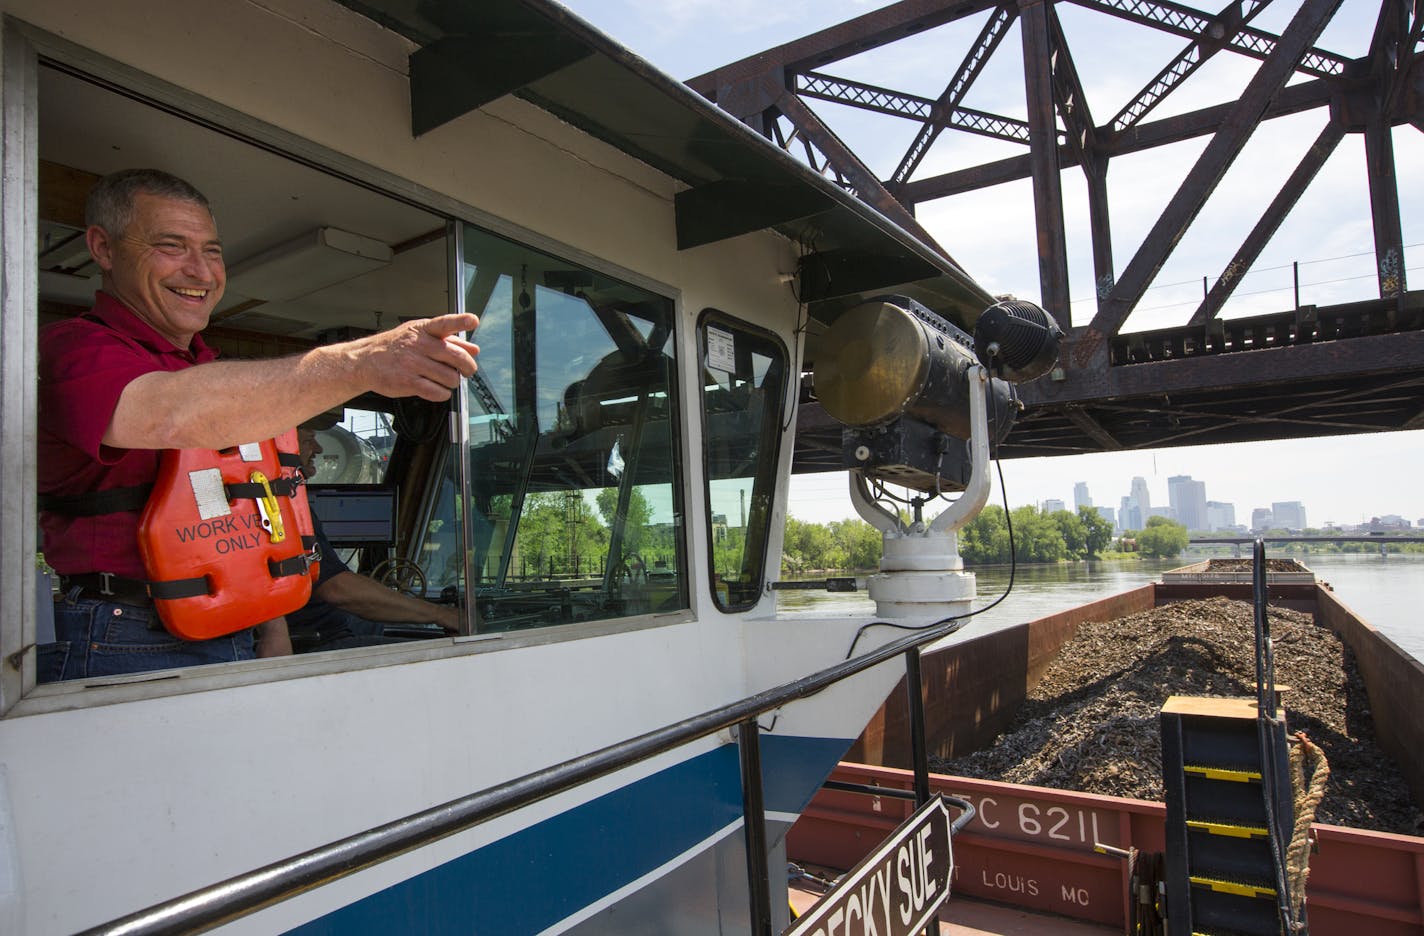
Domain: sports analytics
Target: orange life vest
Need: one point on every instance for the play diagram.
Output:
(226, 537)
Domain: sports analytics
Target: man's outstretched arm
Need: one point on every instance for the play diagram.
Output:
(226, 403)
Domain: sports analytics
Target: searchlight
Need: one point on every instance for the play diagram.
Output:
(920, 402)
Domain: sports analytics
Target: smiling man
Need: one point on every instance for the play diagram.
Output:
(133, 377)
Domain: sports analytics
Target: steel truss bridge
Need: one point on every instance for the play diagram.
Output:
(1382, 539)
(1237, 542)
(1306, 371)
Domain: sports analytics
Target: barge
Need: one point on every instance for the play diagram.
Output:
(1033, 847)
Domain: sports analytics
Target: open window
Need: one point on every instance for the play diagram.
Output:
(312, 258)
(549, 492)
(573, 452)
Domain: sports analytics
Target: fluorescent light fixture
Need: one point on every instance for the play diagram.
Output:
(312, 262)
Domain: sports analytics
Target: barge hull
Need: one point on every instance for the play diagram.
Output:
(1032, 847)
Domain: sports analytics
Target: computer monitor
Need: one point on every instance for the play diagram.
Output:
(355, 514)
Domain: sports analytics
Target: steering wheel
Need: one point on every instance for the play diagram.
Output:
(402, 575)
(631, 567)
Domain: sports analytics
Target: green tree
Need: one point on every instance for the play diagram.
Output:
(639, 513)
(1075, 535)
(1036, 536)
(793, 542)
(1097, 532)
(985, 539)
(555, 529)
(728, 553)
(1162, 538)
(808, 546)
(861, 543)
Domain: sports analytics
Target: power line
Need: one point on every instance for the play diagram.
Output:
(1278, 289)
(1255, 270)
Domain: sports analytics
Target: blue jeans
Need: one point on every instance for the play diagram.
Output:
(110, 638)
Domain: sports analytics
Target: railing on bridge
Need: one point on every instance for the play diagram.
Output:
(1300, 326)
(1382, 540)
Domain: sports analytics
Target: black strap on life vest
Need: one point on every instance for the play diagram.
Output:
(297, 565)
(133, 498)
(95, 503)
(198, 586)
(282, 487)
(179, 588)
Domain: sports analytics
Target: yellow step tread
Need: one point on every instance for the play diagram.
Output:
(1223, 773)
(1229, 829)
(1233, 887)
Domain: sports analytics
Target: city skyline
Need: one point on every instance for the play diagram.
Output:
(1247, 475)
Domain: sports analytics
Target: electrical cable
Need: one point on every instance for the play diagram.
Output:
(882, 492)
(963, 618)
(798, 339)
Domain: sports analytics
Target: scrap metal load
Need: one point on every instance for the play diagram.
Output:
(1091, 723)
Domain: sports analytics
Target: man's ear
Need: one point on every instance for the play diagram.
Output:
(100, 246)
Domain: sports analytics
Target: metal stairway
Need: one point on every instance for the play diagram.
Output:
(1225, 769)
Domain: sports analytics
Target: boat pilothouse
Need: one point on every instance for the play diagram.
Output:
(603, 502)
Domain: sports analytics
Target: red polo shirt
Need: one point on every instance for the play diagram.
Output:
(84, 367)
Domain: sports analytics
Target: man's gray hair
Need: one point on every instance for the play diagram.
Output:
(111, 202)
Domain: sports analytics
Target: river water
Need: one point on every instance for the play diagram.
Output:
(1386, 591)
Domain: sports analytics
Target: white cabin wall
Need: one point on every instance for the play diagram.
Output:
(323, 73)
(762, 299)
(212, 784)
(93, 787)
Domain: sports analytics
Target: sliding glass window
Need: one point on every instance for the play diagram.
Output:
(575, 499)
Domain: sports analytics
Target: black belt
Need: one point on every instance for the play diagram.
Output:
(107, 585)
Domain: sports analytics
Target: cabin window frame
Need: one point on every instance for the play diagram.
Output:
(19, 367)
(675, 447)
(766, 480)
(27, 49)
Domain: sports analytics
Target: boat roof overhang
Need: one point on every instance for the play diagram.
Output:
(470, 54)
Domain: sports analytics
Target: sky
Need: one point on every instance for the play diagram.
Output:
(1345, 479)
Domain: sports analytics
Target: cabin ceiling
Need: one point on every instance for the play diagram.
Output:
(261, 200)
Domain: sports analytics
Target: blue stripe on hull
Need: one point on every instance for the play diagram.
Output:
(705, 895)
(533, 878)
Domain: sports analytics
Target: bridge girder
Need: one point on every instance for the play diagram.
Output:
(1351, 368)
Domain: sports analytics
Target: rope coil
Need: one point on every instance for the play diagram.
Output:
(1309, 773)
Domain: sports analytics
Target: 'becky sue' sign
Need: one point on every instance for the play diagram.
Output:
(895, 889)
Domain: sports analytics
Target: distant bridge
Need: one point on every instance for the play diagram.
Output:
(1382, 539)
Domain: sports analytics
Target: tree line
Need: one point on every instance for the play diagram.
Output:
(561, 534)
(1037, 537)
